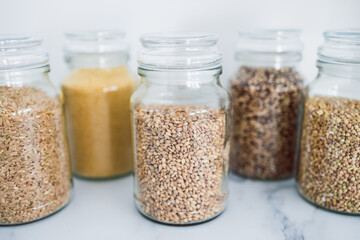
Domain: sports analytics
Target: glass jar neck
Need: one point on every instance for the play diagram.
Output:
(276, 60)
(19, 77)
(339, 70)
(184, 78)
(96, 60)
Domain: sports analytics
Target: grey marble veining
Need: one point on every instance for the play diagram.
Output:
(256, 210)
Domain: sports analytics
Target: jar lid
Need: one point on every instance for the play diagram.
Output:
(179, 51)
(275, 41)
(18, 51)
(340, 46)
(95, 42)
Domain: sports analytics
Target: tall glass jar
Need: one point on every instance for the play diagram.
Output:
(35, 175)
(267, 93)
(328, 173)
(97, 95)
(181, 120)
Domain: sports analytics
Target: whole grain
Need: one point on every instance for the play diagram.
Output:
(266, 106)
(181, 162)
(329, 167)
(35, 176)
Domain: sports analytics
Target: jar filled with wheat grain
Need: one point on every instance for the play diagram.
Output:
(35, 175)
(180, 116)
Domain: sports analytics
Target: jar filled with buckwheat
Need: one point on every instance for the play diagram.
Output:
(267, 93)
(328, 173)
(180, 117)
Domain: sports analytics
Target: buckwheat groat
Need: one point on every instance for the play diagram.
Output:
(266, 109)
(329, 167)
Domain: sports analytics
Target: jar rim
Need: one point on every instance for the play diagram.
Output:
(269, 41)
(344, 35)
(178, 39)
(95, 42)
(19, 41)
(340, 46)
(270, 34)
(21, 51)
(179, 51)
(100, 35)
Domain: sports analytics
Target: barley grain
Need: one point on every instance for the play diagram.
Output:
(181, 178)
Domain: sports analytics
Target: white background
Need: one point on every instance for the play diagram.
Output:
(50, 19)
(104, 210)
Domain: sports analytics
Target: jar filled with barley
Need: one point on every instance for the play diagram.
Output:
(35, 174)
(180, 116)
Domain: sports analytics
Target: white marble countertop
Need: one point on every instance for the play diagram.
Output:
(256, 210)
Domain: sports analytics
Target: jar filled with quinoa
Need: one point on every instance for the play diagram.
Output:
(267, 93)
(35, 176)
(328, 172)
(180, 117)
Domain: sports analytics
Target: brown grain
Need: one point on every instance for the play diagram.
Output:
(35, 177)
(266, 105)
(329, 168)
(182, 159)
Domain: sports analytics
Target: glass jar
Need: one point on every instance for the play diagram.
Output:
(35, 176)
(328, 172)
(267, 93)
(181, 120)
(97, 95)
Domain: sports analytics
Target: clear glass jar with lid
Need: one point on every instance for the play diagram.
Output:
(328, 172)
(35, 176)
(181, 121)
(97, 95)
(267, 93)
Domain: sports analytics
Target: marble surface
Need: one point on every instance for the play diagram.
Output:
(256, 210)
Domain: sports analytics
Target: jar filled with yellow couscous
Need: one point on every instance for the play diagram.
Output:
(97, 94)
